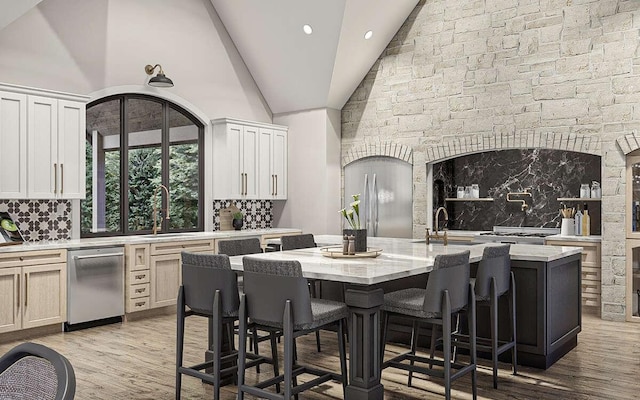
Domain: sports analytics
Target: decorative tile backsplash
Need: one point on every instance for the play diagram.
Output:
(258, 214)
(549, 173)
(40, 219)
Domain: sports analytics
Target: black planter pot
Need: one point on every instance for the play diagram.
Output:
(360, 236)
(237, 223)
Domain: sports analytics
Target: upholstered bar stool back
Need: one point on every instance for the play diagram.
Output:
(495, 263)
(294, 242)
(451, 273)
(239, 247)
(202, 276)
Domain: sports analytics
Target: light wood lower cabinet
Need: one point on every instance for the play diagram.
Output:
(33, 291)
(153, 274)
(591, 270)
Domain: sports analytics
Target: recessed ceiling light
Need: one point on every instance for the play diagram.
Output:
(368, 35)
(307, 29)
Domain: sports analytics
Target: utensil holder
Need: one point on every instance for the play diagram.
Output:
(567, 227)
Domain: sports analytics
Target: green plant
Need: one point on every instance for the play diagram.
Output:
(237, 215)
(353, 214)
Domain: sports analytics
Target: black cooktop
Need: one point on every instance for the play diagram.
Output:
(518, 234)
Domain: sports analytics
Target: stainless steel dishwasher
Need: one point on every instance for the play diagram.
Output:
(95, 290)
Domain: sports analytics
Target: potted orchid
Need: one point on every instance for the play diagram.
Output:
(352, 216)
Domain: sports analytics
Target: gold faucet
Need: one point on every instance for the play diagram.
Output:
(435, 235)
(523, 203)
(155, 207)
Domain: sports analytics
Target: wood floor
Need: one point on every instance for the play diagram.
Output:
(135, 360)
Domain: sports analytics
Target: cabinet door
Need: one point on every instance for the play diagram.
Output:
(165, 280)
(10, 311)
(266, 178)
(235, 168)
(71, 149)
(13, 145)
(42, 125)
(279, 164)
(44, 295)
(250, 161)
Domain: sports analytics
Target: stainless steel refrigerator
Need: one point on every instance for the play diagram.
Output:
(385, 185)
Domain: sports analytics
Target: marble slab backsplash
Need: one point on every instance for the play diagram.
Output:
(40, 219)
(258, 214)
(551, 174)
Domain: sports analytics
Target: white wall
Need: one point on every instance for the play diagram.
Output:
(314, 172)
(82, 46)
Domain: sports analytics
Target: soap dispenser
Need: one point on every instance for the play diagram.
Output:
(578, 223)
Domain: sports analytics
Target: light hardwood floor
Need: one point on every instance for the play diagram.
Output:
(135, 360)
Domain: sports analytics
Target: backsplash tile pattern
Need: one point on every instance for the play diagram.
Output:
(258, 214)
(549, 173)
(40, 219)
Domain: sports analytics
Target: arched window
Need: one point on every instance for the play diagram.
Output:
(135, 144)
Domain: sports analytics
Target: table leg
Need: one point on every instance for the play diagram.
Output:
(364, 343)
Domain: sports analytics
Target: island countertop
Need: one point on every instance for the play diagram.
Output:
(399, 258)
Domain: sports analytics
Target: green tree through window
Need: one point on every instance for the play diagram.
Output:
(139, 142)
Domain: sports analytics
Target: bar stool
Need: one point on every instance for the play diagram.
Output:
(448, 291)
(493, 280)
(303, 241)
(241, 247)
(277, 298)
(209, 289)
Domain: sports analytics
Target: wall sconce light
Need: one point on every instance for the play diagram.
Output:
(160, 80)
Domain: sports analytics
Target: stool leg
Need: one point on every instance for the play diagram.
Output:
(217, 343)
(179, 341)
(253, 342)
(314, 294)
(432, 352)
(493, 306)
(512, 312)
(242, 344)
(446, 344)
(472, 341)
(287, 332)
(414, 344)
(274, 357)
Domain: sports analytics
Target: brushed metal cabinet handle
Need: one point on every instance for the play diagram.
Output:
(18, 302)
(61, 178)
(26, 290)
(276, 185)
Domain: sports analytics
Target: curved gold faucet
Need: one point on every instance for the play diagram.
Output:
(155, 207)
(523, 203)
(435, 235)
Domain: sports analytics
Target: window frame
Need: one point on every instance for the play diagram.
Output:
(165, 144)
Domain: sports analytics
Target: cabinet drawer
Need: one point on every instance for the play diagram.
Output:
(33, 258)
(177, 247)
(590, 288)
(137, 257)
(136, 291)
(137, 277)
(138, 304)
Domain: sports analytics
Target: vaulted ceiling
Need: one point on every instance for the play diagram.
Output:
(295, 71)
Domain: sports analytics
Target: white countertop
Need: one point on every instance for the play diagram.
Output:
(400, 258)
(573, 238)
(141, 239)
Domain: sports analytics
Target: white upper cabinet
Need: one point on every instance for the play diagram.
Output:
(242, 165)
(43, 135)
(13, 145)
(273, 163)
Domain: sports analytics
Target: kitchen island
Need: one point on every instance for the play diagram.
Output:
(547, 286)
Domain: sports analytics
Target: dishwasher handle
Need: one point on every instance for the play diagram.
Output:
(98, 256)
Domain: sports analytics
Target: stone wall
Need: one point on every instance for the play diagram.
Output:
(515, 68)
